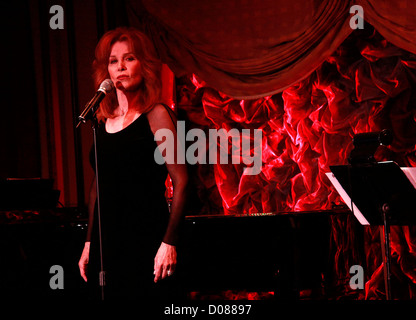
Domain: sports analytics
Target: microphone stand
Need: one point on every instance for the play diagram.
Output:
(94, 125)
(102, 272)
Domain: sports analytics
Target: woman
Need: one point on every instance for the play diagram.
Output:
(138, 232)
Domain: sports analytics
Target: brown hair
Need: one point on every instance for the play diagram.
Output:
(150, 90)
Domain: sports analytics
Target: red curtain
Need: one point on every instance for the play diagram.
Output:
(367, 85)
(395, 20)
(251, 49)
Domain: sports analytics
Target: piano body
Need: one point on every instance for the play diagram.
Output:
(280, 253)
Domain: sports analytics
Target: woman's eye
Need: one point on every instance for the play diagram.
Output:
(113, 61)
(130, 58)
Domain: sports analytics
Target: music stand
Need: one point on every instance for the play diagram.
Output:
(381, 194)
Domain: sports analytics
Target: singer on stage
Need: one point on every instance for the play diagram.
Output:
(139, 234)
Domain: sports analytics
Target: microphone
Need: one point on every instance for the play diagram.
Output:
(384, 137)
(366, 144)
(105, 87)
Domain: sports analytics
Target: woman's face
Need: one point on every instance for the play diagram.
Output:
(123, 67)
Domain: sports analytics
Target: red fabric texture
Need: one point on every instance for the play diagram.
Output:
(251, 49)
(366, 85)
(246, 49)
(403, 263)
(395, 20)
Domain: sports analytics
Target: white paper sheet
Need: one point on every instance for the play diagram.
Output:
(346, 199)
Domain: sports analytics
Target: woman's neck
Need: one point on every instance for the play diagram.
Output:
(127, 101)
(127, 111)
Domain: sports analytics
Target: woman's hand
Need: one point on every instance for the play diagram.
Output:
(165, 261)
(83, 262)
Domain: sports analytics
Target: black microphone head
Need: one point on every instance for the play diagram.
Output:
(366, 144)
(386, 137)
(106, 86)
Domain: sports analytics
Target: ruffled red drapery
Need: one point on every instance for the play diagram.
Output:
(366, 85)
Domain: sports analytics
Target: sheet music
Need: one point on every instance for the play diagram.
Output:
(410, 173)
(346, 198)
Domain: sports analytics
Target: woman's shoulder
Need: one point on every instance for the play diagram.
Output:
(161, 116)
(160, 109)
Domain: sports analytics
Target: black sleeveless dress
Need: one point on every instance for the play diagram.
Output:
(134, 212)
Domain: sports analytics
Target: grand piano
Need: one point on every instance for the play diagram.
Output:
(280, 253)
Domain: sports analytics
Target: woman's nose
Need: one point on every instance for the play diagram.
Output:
(121, 66)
